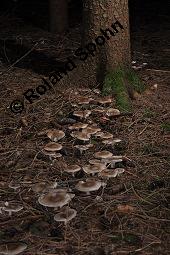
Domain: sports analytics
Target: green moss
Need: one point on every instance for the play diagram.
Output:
(115, 83)
(135, 81)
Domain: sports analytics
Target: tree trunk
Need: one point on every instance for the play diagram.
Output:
(58, 16)
(109, 19)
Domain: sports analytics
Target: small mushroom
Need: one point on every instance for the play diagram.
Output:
(82, 114)
(111, 112)
(52, 146)
(78, 126)
(88, 185)
(55, 199)
(84, 100)
(111, 141)
(11, 207)
(108, 173)
(82, 148)
(94, 161)
(105, 100)
(81, 136)
(55, 135)
(66, 214)
(12, 248)
(72, 169)
(120, 171)
(106, 135)
(92, 169)
(91, 130)
(103, 154)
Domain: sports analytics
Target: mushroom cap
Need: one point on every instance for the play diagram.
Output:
(55, 135)
(88, 185)
(82, 114)
(91, 130)
(55, 199)
(72, 168)
(106, 135)
(84, 100)
(66, 214)
(105, 100)
(52, 154)
(52, 146)
(111, 141)
(80, 135)
(108, 173)
(99, 134)
(12, 248)
(12, 207)
(78, 125)
(94, 161)
(112, 112)
(103, 154)
(92, 169)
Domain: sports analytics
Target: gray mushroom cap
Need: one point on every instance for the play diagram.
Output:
(52, 146)
(95, 168)
(66, 214)
(55, 199)
(55, 135)
(12, 248)
(88, 185)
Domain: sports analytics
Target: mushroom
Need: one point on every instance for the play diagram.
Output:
(108, 173)
(78, 126)
(113, 160)
(111, 141)
(84, 100)
(52, 154)
(12, 248)
(72, 169)
(80, 136)
(103, 154)
(82, 114)
(52, 146)
(92, 169)
(91, 130)
(99, 134)
(12, 207)
(55, 135)
(82, 148)
(106, 135)
(55, 199)
(111, 112)
(66, 214)
(105, 100)
(89, 185)
(94, 161)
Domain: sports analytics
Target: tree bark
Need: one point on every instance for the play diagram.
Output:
(58, 16)
(98, 17)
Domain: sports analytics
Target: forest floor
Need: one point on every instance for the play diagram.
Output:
(131, 215)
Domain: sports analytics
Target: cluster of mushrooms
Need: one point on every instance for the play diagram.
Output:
(101, 167)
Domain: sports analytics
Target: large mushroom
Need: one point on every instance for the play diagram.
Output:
(103, 154)
(81, 136)
(12, 248)
(91, 130)
(82, 114)
(66, 214)
(88, 185)
(55, 199)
